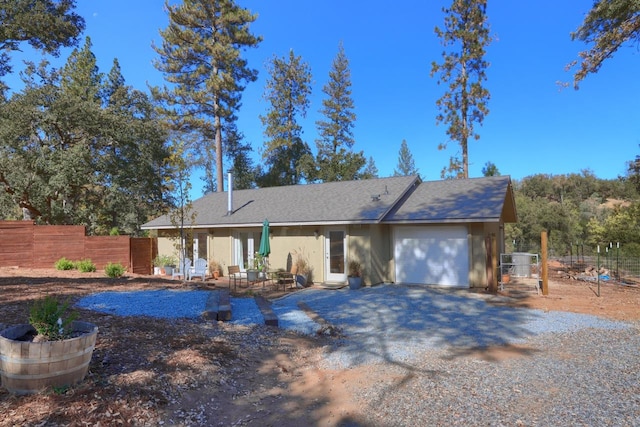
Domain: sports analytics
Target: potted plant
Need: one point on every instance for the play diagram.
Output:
(215, 268)
(302, 270)
(166, 264)
(355, 274)
(53, 350)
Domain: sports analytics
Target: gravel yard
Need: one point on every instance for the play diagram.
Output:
(399, 356)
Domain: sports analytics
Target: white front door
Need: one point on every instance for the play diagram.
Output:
(335, 249)
(245, 245)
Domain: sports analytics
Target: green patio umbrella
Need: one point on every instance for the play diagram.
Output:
(265, 248)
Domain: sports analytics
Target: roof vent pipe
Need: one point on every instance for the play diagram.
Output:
(230, 194)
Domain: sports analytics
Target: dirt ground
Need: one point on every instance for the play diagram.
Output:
(184, 372)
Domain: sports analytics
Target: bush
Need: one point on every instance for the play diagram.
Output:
(64, 264)
(47, 316)
(114, 270)
(86, 266)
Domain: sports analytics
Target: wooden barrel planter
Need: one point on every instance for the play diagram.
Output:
(28, 367)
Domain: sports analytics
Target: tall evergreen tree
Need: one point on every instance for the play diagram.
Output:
(406, 165)
(239, 156)
(490, 169)
(200, 59)
(370, 170)
(608, 25)
(335, 160)
(287, 91)
(466, 34)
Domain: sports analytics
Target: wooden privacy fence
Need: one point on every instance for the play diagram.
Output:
(24, 244)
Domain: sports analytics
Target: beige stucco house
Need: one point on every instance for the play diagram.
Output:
(401, 230)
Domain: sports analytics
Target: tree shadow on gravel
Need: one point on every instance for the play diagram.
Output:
(394, 324)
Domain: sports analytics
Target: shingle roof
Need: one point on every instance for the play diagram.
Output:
(461, 200)
(385, 200)
(362, 201)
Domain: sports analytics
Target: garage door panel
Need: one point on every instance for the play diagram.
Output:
(432, 255)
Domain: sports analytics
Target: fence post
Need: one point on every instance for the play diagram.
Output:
(545, 274)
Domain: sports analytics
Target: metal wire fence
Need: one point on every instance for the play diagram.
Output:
(624, 270)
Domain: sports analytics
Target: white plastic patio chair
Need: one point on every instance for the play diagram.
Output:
(182, 269)
(199, 269)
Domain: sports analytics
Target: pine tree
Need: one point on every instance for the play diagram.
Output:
(463, 72)
(370, 170)
(287, 91)
(200, 58)
(406, 165)
(490, 169)
(335, 160)
(608, 26)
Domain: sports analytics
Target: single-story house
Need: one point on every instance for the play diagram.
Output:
(400, 229)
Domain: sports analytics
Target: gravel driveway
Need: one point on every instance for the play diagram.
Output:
(419, 347)
(391, 323)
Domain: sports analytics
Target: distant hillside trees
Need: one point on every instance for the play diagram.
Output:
(575, 209)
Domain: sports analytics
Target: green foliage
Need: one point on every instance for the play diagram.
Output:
(48, 317)
(370, 170)
(406, 165)
(86, 266)
(287, 91)
(164, 260)
(114, 232)
(79, 148)
(114, 270)
(572, 210)
(490, 169)
(466, 33)
(65, 264)
(200, 59)
(336, 161)
(46, 25)
(608, 26)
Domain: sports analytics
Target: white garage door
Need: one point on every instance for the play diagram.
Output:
(437, 255)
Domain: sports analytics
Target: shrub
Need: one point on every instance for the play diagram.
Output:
(47, 316)
(64, 264)
(86, 266)
(114, 270)
(164, 261)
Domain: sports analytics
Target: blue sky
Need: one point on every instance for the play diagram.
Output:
(533, 126)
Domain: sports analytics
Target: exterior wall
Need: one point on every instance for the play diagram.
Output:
(478, 265)
(477, 256)
(220, 249)
(359, 249)
(166, 244)
(285, 242)
(289, 242)
(381, 245)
